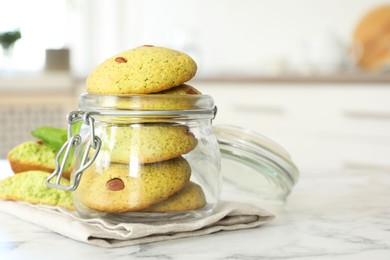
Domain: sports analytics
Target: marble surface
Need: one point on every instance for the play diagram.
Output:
(331, 214)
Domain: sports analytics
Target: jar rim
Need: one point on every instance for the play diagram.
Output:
(145, 102)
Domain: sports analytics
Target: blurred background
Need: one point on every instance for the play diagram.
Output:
(312, 75)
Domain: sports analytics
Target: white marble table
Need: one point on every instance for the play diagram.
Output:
(331, 214)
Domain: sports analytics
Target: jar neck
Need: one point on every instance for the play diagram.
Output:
(149, 102)
(135, 116)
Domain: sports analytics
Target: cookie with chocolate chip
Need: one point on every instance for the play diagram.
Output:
(118, 188)
(142, 70)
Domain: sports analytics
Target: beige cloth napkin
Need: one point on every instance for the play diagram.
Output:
(227, 216)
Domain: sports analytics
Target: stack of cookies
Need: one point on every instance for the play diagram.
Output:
(146, 170)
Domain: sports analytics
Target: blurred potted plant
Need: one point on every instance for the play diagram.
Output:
(7, 42)
(8, 39)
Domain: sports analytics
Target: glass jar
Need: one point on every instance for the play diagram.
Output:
(147, 157)
(157, 157)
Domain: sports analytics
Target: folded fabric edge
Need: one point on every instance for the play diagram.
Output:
(53, 219)
(114, 243)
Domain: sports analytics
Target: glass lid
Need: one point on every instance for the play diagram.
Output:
(254, 163)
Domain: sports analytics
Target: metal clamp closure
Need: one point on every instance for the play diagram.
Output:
(75, 140)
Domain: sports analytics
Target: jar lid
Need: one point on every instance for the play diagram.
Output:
(254, 163)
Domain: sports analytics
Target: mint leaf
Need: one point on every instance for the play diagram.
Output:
(51, 136)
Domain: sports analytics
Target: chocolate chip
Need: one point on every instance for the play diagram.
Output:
(115, 184)
(120, 60)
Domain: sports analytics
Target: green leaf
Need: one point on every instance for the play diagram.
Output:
(51, 136)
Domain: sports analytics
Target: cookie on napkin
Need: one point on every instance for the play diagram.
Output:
(31, 187)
